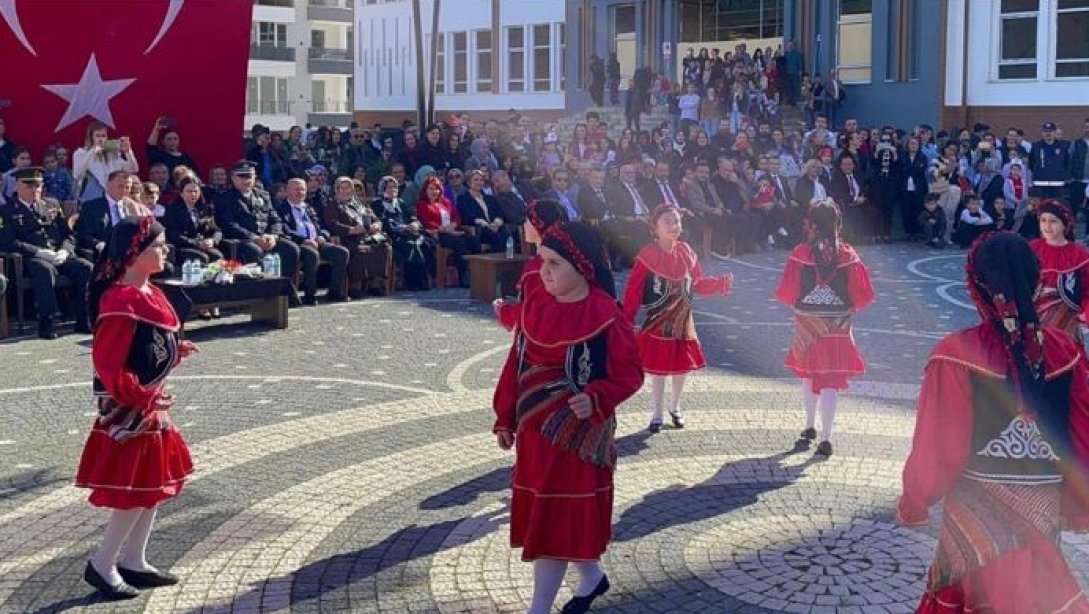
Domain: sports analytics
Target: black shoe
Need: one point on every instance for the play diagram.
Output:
(655, 427)
(147, 579)
(678, 420)
(82, 327)
(579, 605)
(310, 301)
(825, 449)
(113, 593)
(45, 328)
(377, 291)
(335, 298)
(809, 433)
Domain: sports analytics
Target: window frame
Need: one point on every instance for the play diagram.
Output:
(1053, 44)
(482, 86)
(508, 52)
(999, 62)
(852, 19)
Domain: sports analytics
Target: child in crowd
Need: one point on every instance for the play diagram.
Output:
(973, 222)
(1003, 213)
(932, 222)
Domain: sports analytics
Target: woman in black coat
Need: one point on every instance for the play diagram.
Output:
(913, 173)
(413, 250)
(480, 210)
(190, 226)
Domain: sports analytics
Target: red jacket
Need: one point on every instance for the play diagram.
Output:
(430, 214)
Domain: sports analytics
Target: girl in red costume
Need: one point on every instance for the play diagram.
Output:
(134, 458)
(1063, 295)
(1002, 438)
(571, 364)
(541, 216)
(665, 278)
(826, 283)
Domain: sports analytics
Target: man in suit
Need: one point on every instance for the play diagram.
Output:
(709, 210)
(850, 192)
(627, 225)
(660, 188)
(302, 226)
(98, 217)
(592, 201)
(41, 235)
(511, 204)
(795, 211)
(247, 216)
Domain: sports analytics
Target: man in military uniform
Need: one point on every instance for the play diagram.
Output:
(48, 248)
(247, 215)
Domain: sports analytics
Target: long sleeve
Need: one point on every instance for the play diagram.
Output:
(112, 340)
(942, 441)
(1076, 501)
(709, 286)
(81, 162)
(624, 378)
(505, 399)
(633, 292)
(859, 288)
(790, 285)
(509, 314)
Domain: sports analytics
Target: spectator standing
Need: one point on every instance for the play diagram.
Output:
(169, 150)
(612, 73)
(834, 95)
(794, 64)
(913, 173)
(597, 80)
(1049, 161)
(59, 183)
(99, 156)
(1079, 170)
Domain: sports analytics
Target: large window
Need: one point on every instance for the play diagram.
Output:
(561, 34)
(542, 58)
(854, 42)
(483, 60)
(440, 66)
(516, 59)
(269, 34)
(267, 96)
(1072, 39)
(461, 62)
(1017, 39)
(728, 20)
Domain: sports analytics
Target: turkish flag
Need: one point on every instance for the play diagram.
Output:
(125, 63)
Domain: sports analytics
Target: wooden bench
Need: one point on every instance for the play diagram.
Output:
(486, 270)
(256, 295)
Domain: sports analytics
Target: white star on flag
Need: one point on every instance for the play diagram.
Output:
(91, 96)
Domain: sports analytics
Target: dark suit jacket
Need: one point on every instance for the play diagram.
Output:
(180, 229)
(512, 207)
(94, 223)
(469, 210)
(621, 203)
(804, 189)
(244, 218)
(589, 205)
(284, 209)
(840, 190)
(652, 195)
(915, 169)
(783, 189)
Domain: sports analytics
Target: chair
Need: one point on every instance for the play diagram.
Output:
(20, 283)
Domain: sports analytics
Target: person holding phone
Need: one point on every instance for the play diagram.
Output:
(99, 156)
(164, 145)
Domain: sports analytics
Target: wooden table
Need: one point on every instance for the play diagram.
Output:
(267, 299)
(485, 270)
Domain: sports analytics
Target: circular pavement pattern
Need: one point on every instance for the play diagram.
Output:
(346, 465)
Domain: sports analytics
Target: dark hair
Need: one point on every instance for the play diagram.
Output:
(128, 240)
(118, 173)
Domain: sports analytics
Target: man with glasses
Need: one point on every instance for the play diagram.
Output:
(561, 192)
(30, 227)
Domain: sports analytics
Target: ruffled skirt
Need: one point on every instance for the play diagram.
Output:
(142, 471)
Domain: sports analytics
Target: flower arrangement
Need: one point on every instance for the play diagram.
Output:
(223, 271)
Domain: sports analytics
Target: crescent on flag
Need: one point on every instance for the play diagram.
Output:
(168, 21)
(11, 16)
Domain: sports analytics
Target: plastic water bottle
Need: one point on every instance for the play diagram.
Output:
(510, 248)
(187, 273)
(267, 266)
(276, 265)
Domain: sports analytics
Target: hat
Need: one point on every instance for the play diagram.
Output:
(244, 168)
(1049, 126)
(317, 169)
(30, 174)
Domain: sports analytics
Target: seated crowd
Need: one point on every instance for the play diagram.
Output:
(354, 201)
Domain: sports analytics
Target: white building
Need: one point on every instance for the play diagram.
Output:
(300, 68)
(494, 55)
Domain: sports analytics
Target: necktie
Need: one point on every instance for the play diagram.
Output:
(667, 193)
(305, 219)
(854, 186)
(636, 200)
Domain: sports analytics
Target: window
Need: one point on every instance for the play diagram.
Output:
(461, 56)
(542, 58)
(854, 41)
(516, 59)
(440, 66)
(702, 21)
(483, 60)
(1072, 39)
(269, 34)
(561, 35)
(1017, 39)
(267, 96)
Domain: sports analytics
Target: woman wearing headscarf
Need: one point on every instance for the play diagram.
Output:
(411, 192)
(541, 217)
(134, 458)
(413, 251)
(570, 366)
(1063, 296)
(826, 284)
(359, 230)
(1001, 438)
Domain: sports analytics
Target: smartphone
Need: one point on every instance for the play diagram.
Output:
(112, 145)
(170, 123)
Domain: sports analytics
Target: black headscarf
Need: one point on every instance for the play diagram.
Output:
(1059, 209)
(128, 240)
(1003, 273)
(545, 214)
(582, 246)
(822, 224)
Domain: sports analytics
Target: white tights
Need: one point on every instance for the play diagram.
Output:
(134, 526)
(826, 400)
(657, 395)
(548, 576)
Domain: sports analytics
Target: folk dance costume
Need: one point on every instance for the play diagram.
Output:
(1001, 437)
(1063, 295)
(542, 216)
(134, 458)
(562, 485)
(826, 283)
(665, 283)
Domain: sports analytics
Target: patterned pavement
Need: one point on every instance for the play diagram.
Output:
(346, 465)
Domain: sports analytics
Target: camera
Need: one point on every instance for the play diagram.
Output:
(111, 145)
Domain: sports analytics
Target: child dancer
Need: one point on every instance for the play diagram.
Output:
(541, 216)
(134, 458)
(664, 279)
(826, 283)
(570, 366)
(1063, 295)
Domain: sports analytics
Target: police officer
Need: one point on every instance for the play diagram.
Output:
(247, 215)
(48, 247)
(1049, 161)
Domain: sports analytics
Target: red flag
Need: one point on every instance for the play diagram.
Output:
(126, 62)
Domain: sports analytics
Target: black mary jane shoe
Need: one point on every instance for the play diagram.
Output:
(809, 433)
(205, 315)
(825, 448)
(654, 427)
(112, 593)
(678, 420)
(147, 579)
(580, 605)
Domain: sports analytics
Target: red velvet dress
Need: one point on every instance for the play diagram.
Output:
(665, 284)
(1063, 295)
(1009, 482)
(823, 348)
(509, 313)
(134, 457)
(562, 486)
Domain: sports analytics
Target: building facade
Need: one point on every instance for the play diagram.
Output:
(493, 55)
(300, 68)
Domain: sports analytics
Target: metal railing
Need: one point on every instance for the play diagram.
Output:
(331, 53)
(331, 106)
(272, 52)
(340, 4)
(268, 107)
(280, 3)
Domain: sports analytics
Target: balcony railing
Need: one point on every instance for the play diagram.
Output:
(331, 106)
(330, 53)
(268, 107)
(272, 52)
(280, 3)
(336, 11)
(340, 4)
